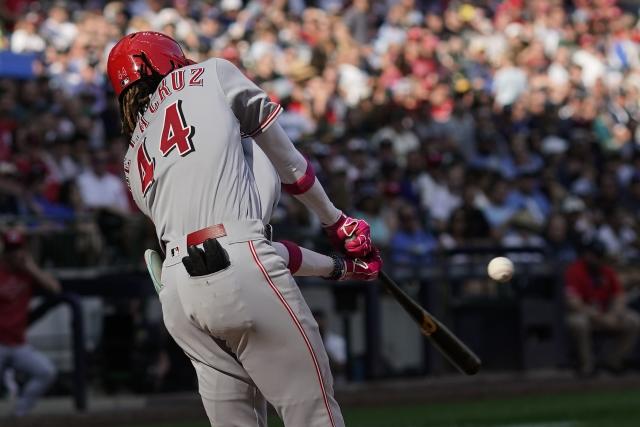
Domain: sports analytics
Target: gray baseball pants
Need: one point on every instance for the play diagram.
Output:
(250, 335)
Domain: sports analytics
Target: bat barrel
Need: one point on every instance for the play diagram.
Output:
(455, 351)
(450, 346)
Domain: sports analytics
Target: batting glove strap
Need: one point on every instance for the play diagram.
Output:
(351, 236)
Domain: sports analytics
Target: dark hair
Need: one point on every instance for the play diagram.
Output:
(133, 103)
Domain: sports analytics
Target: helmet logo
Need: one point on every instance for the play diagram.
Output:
(123, 77)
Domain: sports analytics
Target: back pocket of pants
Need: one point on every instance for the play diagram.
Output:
(213, 303)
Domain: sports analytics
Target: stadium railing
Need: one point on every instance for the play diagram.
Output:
(73, 303)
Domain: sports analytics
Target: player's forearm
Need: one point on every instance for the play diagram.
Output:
(304, 262)
(317, 201)
(296, 173)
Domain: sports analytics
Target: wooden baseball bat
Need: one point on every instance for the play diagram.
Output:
(450, 346)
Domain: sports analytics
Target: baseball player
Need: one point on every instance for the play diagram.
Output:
(228, 296)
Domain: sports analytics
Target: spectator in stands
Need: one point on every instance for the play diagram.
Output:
(500, 207)
(618, 235)
(596, 301)
(438, 191)
(105, 194)
(509, 88)
(632, 201)
(60, 162)
(477, 229)
(524, 232)
(457, 236)
(560, 248)
(25, 38)
(411, 244)
(467, 225)
(70, 212)
(530, 198)
(19, 275)
(11, 190)
(100, 189)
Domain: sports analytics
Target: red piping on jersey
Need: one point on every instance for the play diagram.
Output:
(265, 124)
(303, 184)
(295, 255)
(298, 325)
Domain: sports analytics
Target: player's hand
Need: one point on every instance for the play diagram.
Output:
(360, 269)
(208, 261)
(351, 236)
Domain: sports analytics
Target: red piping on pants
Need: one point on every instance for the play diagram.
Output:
(299, 326)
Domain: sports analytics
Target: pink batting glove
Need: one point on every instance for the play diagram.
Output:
(351, 236)
(363, 269)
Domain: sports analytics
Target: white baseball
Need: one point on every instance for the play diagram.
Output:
(500, 269)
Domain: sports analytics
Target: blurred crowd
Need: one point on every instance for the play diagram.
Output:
(443, 123)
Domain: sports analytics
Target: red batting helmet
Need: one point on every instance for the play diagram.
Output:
(142, 54)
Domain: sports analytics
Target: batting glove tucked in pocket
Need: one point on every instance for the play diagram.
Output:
(154, 267)
(211, 259)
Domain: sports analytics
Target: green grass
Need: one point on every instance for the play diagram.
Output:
(593, 409)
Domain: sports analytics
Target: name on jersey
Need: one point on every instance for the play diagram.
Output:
(174, 82)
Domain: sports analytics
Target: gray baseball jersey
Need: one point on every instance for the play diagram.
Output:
(185, 165)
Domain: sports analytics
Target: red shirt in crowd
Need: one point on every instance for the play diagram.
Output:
(15, 293)
(580, 282)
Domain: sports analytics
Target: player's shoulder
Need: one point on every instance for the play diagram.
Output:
(207, 63)
(217, 69)
(216, 65)
(225, 67)
(210, 64)
(200, 71)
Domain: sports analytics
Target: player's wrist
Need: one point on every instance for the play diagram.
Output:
(333, 226)
(339, 268)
